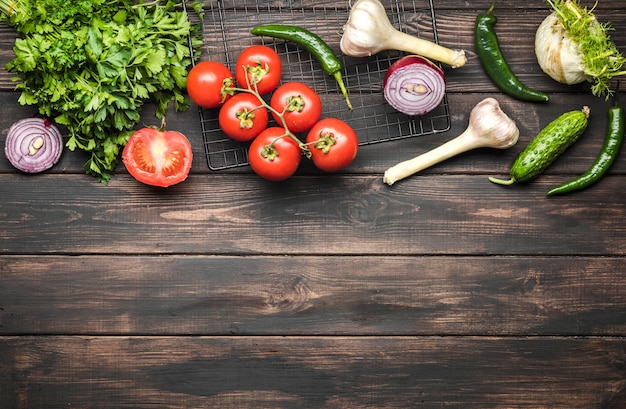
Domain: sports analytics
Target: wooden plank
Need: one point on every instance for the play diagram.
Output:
(327, 291)
(224, 295)
(350, 214)
(375, 159)
(227, 37)
(454, 28)
(505, 6)
(312, 372)
(513, 30)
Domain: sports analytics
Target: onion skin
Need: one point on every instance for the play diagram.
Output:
(33, 145)
(414, 85)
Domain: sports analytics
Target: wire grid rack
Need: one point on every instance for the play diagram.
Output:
(226, 32)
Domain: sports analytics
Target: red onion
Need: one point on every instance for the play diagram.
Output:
(414, 85)
(33, 145)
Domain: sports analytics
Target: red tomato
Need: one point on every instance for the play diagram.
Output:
(301, 105)
(206, 83)
(158, 158)
(274, 156)
(243, 117)
(333, 144)
(260, 65)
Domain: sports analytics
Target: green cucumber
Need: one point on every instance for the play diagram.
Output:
(548, 145)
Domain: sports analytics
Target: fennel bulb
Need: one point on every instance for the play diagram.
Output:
(572, 46)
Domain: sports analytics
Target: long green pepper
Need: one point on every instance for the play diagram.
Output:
(313, 44)
(605, 159)
(494, 63)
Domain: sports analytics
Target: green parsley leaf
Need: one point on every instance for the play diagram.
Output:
(93, 64)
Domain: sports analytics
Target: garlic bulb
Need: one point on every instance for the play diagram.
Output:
(489, 127)
(365, 32)
(557, 55)
(369, 31)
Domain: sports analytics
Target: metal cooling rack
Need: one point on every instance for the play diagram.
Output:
(227, 25)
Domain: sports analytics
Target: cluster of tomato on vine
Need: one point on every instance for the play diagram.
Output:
(249, 99)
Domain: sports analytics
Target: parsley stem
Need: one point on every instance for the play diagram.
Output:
(9, 7)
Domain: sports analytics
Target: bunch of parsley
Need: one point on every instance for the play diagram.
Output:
(92, 64)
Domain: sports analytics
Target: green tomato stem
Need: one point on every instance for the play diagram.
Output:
(281, 116)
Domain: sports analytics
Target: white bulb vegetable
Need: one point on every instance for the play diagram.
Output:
(572, 46)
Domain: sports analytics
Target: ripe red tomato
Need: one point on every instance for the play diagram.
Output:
(301, 105)
(243, 117)
(206, 82)
(274, 156)
(158, 158)
(336, 147)
(260, 65)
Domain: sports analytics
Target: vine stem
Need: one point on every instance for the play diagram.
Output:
(253, 89)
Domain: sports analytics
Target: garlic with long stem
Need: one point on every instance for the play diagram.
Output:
(489, 127)
(369, 31)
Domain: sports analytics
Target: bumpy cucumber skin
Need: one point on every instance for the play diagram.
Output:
(547, 146)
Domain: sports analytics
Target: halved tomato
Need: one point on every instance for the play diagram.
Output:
(158, 157)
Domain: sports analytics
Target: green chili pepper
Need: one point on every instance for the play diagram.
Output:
(494, 64)
(606, 157)
(313, 44)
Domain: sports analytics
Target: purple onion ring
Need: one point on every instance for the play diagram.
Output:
(414, 85)
(33, 145)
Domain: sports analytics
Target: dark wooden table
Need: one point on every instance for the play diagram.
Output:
(335, 291)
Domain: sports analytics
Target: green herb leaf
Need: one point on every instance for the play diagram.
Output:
(601, 59)
(93, 64)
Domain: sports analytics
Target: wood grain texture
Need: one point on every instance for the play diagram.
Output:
(375, 159)
(327, 291)
(306, 372)
(340, 295)
(447, 215)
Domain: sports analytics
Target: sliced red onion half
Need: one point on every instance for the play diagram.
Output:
(414, 85)
(33, 145)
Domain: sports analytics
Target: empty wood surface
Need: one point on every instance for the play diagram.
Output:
(325, 291)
